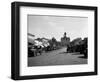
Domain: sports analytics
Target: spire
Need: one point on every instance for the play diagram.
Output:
(65, 34)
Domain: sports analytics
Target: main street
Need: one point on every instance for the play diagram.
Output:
(56, 57)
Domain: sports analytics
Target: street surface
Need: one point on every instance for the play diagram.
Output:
(56, 57)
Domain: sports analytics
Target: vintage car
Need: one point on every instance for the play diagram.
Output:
(34, 49)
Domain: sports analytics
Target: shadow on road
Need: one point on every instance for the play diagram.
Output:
(83, 57)
(64, 53)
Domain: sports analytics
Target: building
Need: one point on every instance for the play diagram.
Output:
(31, 38)
(65, 40)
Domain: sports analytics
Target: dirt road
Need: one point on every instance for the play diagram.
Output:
(57, 57)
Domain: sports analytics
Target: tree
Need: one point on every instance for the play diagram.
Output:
(54, 40)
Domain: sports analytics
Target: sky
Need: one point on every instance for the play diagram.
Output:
(55, 26)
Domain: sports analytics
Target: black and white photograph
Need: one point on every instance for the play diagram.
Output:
(57, 40)
(53, 40)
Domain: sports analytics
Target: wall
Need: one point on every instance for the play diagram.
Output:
(5, 42)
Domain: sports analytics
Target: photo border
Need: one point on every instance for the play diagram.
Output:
(15, 40)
